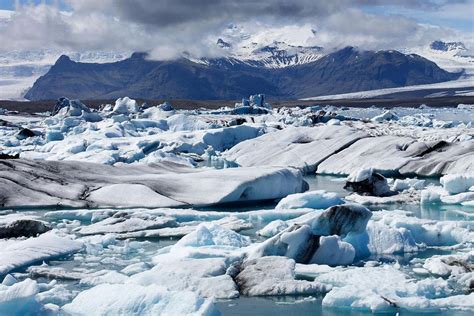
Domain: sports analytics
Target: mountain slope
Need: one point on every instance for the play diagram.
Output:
(346, 70)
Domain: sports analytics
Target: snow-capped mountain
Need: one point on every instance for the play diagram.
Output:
(275, 55)
(451, 56)
(343, 71)
(448, 46)
(269, 49)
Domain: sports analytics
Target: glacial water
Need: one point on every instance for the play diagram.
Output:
(310, 305)
(124, 253)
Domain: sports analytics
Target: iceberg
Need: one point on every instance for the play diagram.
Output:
(318, 199)
(274, 276)
(134, 299)
(79, 184)
(301, 147)
(45, 247)
(19, 298)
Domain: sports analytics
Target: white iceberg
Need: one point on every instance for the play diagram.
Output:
(318, 199)
(134, 299)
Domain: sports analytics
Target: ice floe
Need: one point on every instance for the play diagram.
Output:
(45, 247)
(45, 183)
(120, 299)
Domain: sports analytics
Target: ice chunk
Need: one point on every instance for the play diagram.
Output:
(378, 288)
(385, 116)
(319, 199)
(14, 225)
(432, 195)
(360, 175)
(382, 239)
(384, 154)
(166, 106)
(53, 135)
(340, 220)
(333, 251)
(104, 276)
(274, 276)
(295, 242)
(367, 182)
(182, 122)
(429, 232)
(204, 276)
(19, 298)
(122, 222)
(457, 183)
(129, 195)
(212, 234)
(390, 155)
(125, 106)
(29, 251)
(450, 264)
(301, 240)
(65, 107)
(405, 184)
(134, 299)
(273, 228)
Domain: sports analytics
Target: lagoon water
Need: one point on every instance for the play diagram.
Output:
(115, 258)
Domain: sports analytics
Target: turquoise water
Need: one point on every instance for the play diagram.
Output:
(287, 305)
(302, 306)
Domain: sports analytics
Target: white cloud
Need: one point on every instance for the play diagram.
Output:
(167, 28)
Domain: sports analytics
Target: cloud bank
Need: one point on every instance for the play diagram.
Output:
(167, 28)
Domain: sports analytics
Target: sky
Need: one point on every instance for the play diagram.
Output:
(167, 28)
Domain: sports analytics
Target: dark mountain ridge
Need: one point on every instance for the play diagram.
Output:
(346, 70)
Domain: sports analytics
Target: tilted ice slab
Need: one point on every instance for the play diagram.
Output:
(274, 276)
(392, 154)
(342, 150)
(124, 223)
(134, 299)
(229, 222)
(48, 183)
(26, 252)
(300, 147)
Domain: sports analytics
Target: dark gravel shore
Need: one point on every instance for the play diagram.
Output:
(449, 101)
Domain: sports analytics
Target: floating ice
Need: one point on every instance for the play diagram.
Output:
(19, 298)
(43, 183)
(385, 116)
(274, 276)
(457, 183)
(128, 299)
(45, 247)
(319, 199)
(367, 182)
(300, 147)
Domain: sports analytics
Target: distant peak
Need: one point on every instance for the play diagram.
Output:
(221, 43)
(139, 55)
(63, 59)
(447, 46)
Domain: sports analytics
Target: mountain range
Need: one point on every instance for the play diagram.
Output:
(346, 70)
